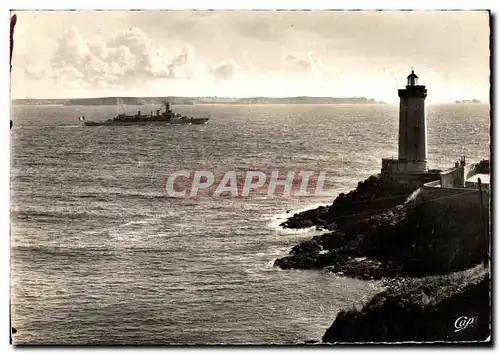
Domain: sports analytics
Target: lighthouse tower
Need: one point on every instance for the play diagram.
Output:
(412, 152)
(413, 125)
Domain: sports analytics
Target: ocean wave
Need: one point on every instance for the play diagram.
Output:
(55, 215)
(64, 251)
(89, 251)
(142, 222)
(125, 195)
(117, 231)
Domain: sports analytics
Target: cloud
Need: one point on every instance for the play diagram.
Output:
(257, 30)
(127, 57)
(303, 61)
(450, 45)
(182, 64)
(223, 70)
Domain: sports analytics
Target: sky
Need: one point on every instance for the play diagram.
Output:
(70, 54)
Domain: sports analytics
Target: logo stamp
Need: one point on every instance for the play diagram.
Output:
(464, 322)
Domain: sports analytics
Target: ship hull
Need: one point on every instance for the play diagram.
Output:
(166, 118)
(189, 121)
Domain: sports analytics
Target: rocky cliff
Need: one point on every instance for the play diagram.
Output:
(384, 229)
(455, 307)
(429, 251)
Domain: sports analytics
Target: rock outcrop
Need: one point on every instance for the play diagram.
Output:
(455, 307)
(418, 237)
(370, 196)
(427, 250)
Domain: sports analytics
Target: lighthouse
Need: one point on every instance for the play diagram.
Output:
(413, 125)
(412, 138)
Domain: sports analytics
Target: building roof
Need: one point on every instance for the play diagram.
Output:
(412, 75)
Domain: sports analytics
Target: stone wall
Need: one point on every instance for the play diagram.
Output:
(462, 207)
(470, 170)
(456, 177)
(452, 178)
(465, 196)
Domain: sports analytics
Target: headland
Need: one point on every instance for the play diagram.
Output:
(417, 242)
(419, 229)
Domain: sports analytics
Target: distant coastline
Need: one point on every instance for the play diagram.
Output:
(468, 101)
(139, 101)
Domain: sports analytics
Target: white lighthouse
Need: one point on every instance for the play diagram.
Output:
(412, 147)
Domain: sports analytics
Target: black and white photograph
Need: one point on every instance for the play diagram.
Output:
(250, 177)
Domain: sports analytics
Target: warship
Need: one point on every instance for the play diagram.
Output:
(166, 117)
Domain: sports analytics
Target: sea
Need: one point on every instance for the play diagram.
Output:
(101, 255)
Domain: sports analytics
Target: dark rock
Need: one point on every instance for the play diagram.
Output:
(307, 247)
(416, 239)
(402, 243)
(331, 258)
(296, 262)
(424, 309)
